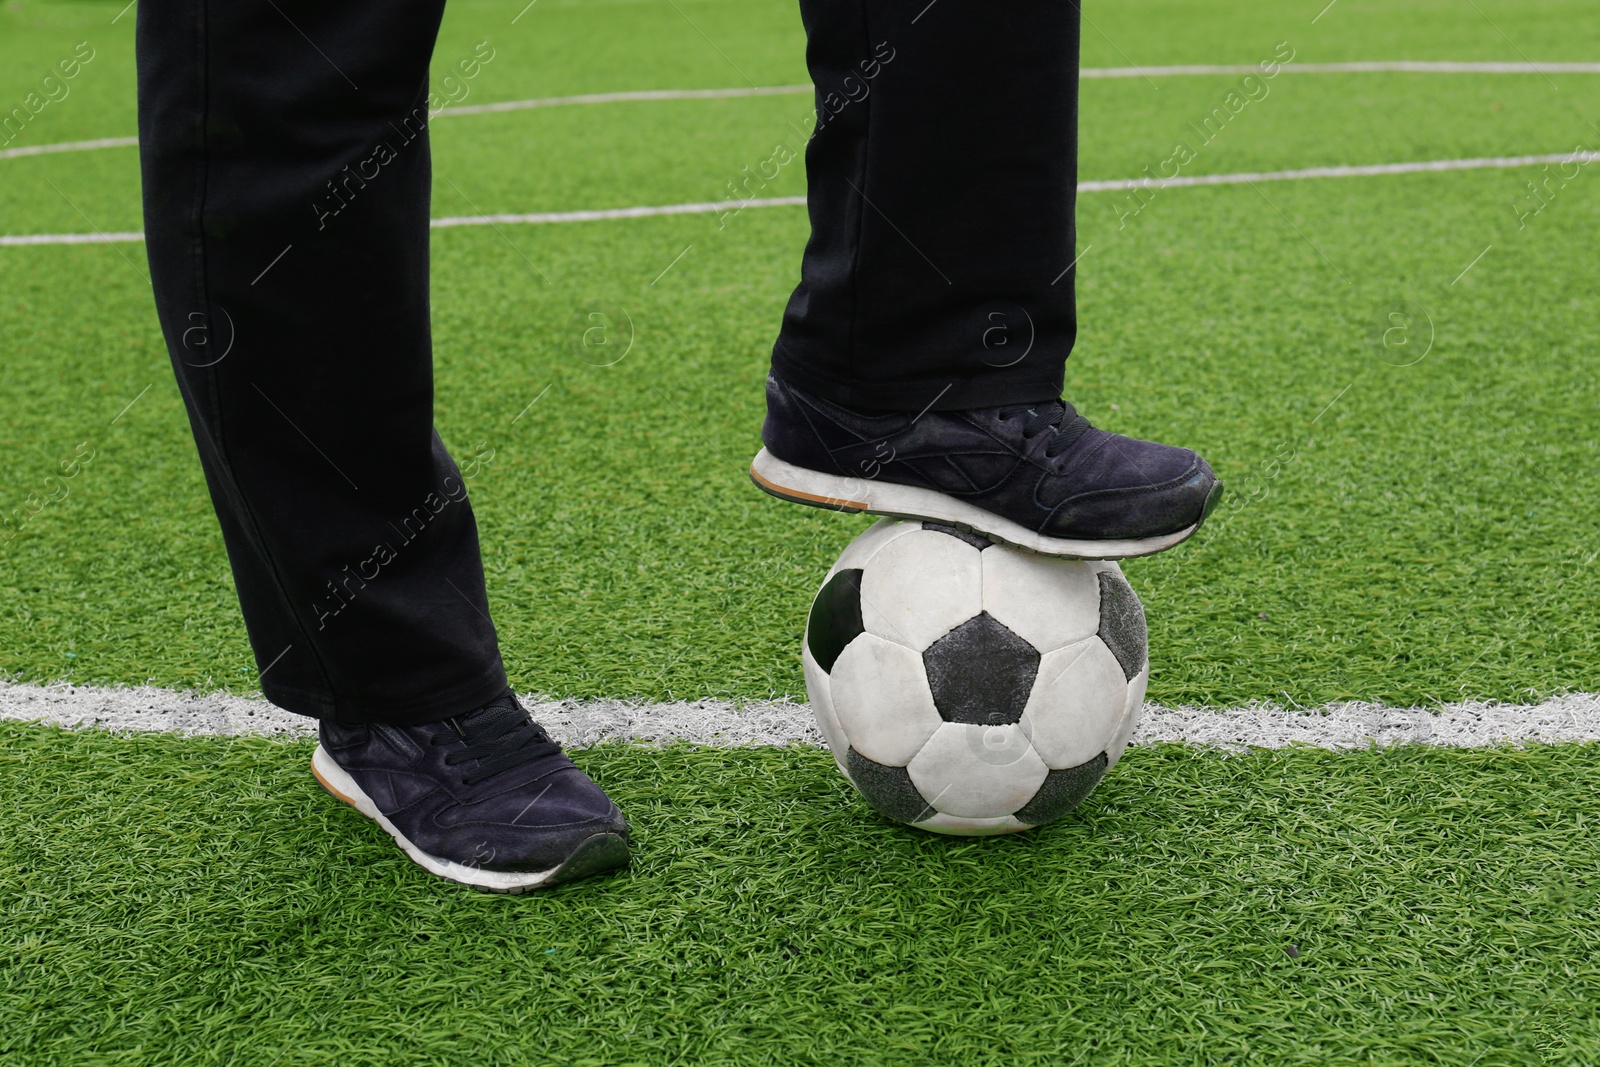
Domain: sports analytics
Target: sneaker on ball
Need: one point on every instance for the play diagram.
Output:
(486, 799)
(1037, 476)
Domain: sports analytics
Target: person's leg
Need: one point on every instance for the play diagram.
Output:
(920, 362)
(942, 176)
(286, 177)
(286, 186)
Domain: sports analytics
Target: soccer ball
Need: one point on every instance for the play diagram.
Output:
(968, 687)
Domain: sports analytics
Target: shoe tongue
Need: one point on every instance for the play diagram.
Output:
(495, 719)
(1068, 413)
(1046, 412)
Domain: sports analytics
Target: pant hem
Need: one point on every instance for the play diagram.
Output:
(930, 394)
(456, 700)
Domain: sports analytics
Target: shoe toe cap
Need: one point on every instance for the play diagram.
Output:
(556, 846)
(531, 828)
(1149, 490)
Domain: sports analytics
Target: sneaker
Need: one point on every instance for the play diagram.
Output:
(1036, 476)
(485, 799)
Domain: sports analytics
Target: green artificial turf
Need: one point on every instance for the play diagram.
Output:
(202, 901)
(1401, 533)
(1426, 538)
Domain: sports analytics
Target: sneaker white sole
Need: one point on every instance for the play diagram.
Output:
(603, 852)
(840, 493)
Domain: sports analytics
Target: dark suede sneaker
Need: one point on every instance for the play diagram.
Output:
(486, 799)
(1037, 476)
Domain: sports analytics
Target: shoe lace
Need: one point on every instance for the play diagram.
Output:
(1057, 416)
(498, 736)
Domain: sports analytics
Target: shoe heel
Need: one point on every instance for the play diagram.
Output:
(322, 780)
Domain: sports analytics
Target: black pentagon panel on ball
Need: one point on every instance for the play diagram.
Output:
(981, 672)
(888, 789)
(1062, 791)
(1122, 625)
(977, 541)
(835, 617)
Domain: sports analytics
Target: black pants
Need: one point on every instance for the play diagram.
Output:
(289, 253)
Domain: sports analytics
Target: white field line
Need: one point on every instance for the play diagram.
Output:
(69, 146)
(1091, 73)
(622, 98)
(539, 218)
(13, 240)
(1390, 66)
(713, 206)
(1362, 171)
(1572, 718)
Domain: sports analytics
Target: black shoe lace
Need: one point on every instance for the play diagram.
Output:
(1057, 416)
(498, 736)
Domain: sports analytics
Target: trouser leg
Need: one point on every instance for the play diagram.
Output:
(942, 180)
(286, 184)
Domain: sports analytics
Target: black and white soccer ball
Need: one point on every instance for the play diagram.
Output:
(968, 687)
